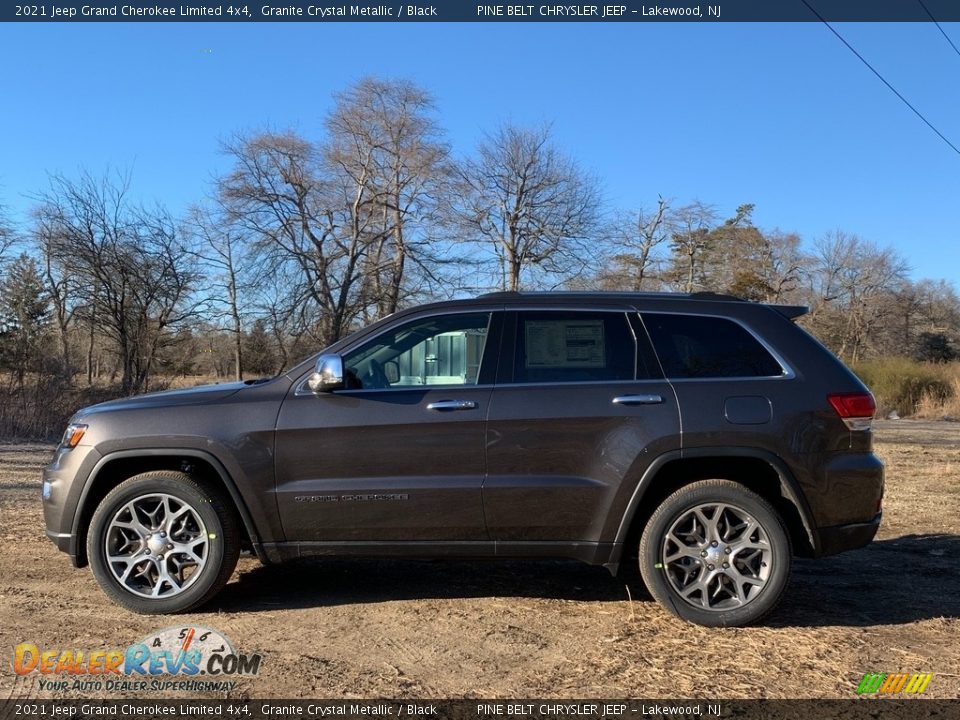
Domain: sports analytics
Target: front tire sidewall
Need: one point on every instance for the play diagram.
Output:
(188, 492)
(730, 493)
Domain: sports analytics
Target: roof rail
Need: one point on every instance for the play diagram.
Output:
(789, 311)
(702, 295)
(706, 295)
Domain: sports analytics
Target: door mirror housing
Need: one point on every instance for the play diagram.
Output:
(327, 375)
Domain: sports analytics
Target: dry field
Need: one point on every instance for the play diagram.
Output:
(364, 629)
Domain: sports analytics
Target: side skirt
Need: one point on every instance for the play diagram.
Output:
(590, 553)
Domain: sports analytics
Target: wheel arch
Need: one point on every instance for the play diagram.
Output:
(114, 468)
(757, 469)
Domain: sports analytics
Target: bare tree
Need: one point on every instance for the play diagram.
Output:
(848, 279)
(690, 243)
(223, 249)
(939, 305)
(63, 289)
(136, 258)
(921, 319)
(283, 316)
(6, 234)
(301, 219)
(384, 141)
(635, 236)
(784, 264)
(530, 203)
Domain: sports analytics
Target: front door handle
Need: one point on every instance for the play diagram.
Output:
(446, 405)
(637, 399)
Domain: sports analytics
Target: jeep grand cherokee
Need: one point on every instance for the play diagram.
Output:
(700, 438)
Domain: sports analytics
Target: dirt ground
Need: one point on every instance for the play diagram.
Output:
(365, 629)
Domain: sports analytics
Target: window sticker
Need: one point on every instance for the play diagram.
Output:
(564, 344)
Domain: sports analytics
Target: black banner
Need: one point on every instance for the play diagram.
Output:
(484, 11)
(858, 709)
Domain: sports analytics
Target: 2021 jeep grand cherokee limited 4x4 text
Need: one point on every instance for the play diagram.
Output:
(706, 439)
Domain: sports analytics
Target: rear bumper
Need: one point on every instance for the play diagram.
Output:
(840, 538)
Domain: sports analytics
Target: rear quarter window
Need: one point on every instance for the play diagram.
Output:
(695, 346)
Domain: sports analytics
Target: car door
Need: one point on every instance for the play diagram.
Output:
(731, 387)
(399, 455)
(579, 411)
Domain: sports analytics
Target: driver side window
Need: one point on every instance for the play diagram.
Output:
(440, 350)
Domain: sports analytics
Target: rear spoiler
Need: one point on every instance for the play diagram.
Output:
(791, 312)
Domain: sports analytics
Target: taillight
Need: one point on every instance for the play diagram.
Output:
(855, 409)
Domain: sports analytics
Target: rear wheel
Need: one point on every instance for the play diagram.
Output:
(163, 542)
(716, 554)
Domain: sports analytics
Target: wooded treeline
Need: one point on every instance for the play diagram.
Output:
(303, 239)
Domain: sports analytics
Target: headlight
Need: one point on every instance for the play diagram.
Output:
(73, 435)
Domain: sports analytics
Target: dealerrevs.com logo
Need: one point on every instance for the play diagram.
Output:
(174, 658)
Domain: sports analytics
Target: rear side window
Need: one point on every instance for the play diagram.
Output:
(574, 347)
(692, 346)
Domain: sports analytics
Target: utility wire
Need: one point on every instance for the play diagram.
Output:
(882, 78)
(942, 31)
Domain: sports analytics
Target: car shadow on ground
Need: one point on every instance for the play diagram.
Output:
(343, 581)
(890, 582)
(893, 581)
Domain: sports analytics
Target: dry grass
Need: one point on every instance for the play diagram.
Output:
(369, 629)
(933, 407)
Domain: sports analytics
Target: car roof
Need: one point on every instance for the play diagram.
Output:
(642, 300)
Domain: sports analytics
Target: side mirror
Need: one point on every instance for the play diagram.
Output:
(327, 376)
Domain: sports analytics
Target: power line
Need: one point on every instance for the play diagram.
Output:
(942, 31)
(882, 78)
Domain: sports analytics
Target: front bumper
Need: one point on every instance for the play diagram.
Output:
(63, 482)
(840, 538)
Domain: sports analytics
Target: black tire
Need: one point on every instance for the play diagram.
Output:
(222, 533)
(665, 580)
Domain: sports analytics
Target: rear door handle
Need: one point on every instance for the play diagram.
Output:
(637, 399)
(446, 405)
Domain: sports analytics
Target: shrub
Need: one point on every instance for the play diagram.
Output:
(902, 384)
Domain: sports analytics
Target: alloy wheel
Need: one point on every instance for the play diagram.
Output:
(156, 545)
(717, 556)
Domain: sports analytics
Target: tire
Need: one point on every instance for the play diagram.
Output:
(716, 554)
(163, 522)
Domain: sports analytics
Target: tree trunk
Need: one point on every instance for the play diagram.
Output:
(90, 341)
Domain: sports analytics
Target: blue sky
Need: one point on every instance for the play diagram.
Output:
(783, 116)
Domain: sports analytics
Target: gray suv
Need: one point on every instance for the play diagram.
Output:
(703, 439)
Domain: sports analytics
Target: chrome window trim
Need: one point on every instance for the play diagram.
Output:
(506, 386)
(788, 372)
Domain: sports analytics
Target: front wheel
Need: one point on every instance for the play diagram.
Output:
(716, 554)
(162, 542)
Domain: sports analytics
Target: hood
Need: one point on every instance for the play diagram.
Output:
(167, 398)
